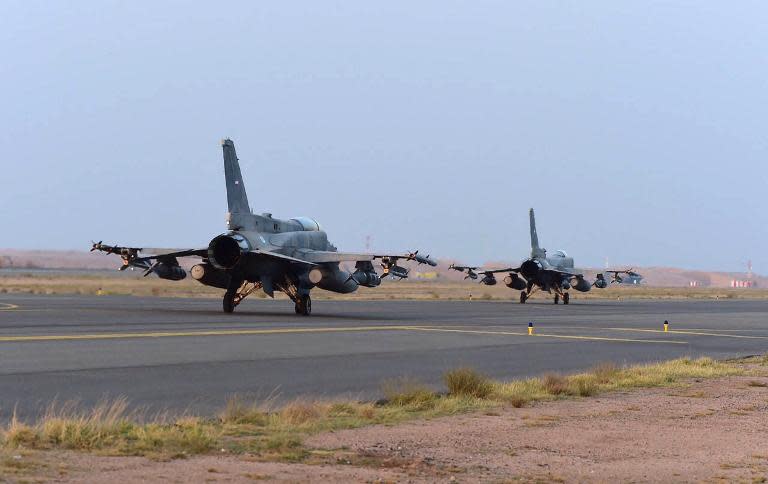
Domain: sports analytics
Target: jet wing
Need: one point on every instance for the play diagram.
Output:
(131, 258)
(496, 271)
(470, 270)
(323, 257)
(463, 268)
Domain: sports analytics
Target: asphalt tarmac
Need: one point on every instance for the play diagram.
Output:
(186, 354)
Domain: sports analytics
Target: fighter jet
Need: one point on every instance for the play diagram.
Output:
(262, 252)
(630, 277)
(552, 274)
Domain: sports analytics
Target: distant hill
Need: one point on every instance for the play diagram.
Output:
(654, 276)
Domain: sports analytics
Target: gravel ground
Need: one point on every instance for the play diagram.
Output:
(710, 430)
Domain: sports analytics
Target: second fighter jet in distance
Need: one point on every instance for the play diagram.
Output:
(554, 273)
(262, 252)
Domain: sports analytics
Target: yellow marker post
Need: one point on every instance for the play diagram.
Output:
(666, 326)
(530, 328)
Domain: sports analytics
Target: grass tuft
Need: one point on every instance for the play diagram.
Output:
(237, 411)
(19, 434)
(466, 382)
(605, 372)
(407, 392)
(300, 412)
(555, 384)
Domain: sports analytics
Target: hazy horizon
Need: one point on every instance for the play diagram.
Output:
(636, 130)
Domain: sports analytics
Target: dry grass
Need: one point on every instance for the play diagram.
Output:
(466, 382)
(238, 412)
(109, 426)
(607, 377)
(277, 433)
(132, 283)
(407, 392)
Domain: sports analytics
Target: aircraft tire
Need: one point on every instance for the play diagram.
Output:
(523, 297)
(306, 305)
(557, 298)
(566, 298)
(229, 303)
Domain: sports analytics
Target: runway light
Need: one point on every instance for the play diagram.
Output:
(666, 326)
(530, 328)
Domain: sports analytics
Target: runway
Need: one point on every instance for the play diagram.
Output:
(186, 354)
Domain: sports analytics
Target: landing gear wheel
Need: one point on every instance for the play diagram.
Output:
(523, 297)
(229, 303)
(566, 298)
(303, 305)
(557, 298)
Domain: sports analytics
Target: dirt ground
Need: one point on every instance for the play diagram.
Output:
(134, 284)
(708, 431)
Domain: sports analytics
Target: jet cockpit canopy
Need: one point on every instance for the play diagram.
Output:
(307, 224)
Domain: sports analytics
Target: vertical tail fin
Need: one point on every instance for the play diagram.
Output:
(237, 200)
(536, 251)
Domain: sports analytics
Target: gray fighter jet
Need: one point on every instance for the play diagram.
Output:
(553, 273)
(629, 277)
(262, 252)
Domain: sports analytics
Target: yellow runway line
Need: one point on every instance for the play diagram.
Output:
(177, 334)
(543, 335)
(694, 333)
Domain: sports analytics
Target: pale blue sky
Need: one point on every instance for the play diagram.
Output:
(636, 129)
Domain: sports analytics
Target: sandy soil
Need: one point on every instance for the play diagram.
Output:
(711, 430)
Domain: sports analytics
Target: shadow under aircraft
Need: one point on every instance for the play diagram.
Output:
(554, 273)
(262, 252)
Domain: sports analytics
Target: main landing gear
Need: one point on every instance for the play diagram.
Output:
(303, 305)
(236, 292)
(524, 296)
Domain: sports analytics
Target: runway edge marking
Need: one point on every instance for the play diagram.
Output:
(545, 335)
(177, 334)
(692, 333)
